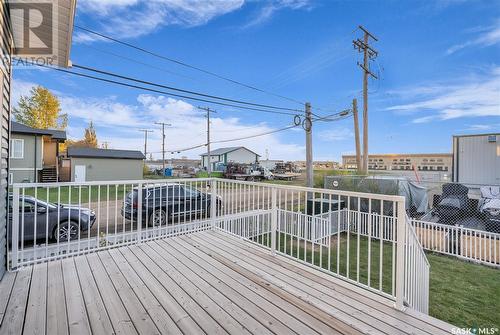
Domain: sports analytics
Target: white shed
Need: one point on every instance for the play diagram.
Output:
(476, 159)
(240, 155)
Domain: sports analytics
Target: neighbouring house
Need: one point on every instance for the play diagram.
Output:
(34, 154)
(91, 164)
(476, 159)
(270, 163)
(240, 155)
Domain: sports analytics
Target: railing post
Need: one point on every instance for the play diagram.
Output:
(213, 202)
(139, 212)
(15, 228)
(274, 219)
(400, 254)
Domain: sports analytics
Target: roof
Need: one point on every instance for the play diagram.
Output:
(222, 151)
(19, 128)
(104, 153)
(473, 135)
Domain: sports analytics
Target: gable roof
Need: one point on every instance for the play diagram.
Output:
(104, 153)
(222, 151)
(19, 128)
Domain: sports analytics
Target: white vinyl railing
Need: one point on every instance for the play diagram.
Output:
(362, 238)
(465, 243)
(416, 272)
(53, 220)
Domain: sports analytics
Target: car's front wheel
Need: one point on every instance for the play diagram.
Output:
(65, 230)
(157, 218)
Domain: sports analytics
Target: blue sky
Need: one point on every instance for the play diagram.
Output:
(439, 69)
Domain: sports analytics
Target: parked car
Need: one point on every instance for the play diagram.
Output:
(56, 220)
(166, 203)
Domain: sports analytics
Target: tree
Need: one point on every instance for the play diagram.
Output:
(90, 138)
(41, 110)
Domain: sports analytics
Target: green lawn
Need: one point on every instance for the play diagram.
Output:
(75, 194)
(461, 293)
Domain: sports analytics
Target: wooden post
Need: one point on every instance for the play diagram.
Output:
(356, 134)
(309, 154)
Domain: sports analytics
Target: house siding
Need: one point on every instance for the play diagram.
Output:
(242, 155)
(5, 80)
(22, 169)
(105, 169)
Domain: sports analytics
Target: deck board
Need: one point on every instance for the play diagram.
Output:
(57, 318)
(200, 283)
(319, 294)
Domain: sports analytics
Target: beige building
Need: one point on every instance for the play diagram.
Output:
(398, 162)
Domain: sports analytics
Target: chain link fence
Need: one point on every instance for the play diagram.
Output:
(452, 218)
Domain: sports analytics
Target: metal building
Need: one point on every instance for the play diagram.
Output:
(476, 159)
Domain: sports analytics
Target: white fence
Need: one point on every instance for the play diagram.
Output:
(362, 238)
(469, 244)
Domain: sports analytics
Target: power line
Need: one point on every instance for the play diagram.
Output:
(180, 90)
(341, 115)
(187, 65)
(133, 60)
(161, 92)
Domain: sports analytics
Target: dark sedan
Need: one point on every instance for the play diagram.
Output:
(168, 203)
(54, 221)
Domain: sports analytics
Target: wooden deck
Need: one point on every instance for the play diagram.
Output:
(202, 283)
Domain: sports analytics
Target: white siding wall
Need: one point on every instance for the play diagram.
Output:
(477, 161)
(241, 155)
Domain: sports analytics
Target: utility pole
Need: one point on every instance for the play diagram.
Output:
(209, 156)
(356, 133)
(146, 131)
(368, 54)
(163, 124)
(309, 155)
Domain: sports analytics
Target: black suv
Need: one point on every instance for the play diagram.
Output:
(168, 203)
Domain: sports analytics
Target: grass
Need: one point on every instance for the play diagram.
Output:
(74, 194)
(461, 293)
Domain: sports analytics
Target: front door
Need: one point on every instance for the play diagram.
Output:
(80, 171)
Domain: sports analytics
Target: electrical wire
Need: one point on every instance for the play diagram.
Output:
(154, 54)
(107, 73)
(161, 92)
(133, 60)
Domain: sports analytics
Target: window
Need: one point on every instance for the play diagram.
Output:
(17, 148)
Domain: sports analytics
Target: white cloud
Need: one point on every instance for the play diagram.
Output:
(483, 127)
(488, 36)
(119, 123)
(273, 6)
(134, 18)
(20, 88)
(338, 134)
(472, 97)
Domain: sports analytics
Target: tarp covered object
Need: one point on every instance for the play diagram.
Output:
(415, 194)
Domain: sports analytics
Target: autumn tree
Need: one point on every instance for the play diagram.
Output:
(41, 110)
(89, 139)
